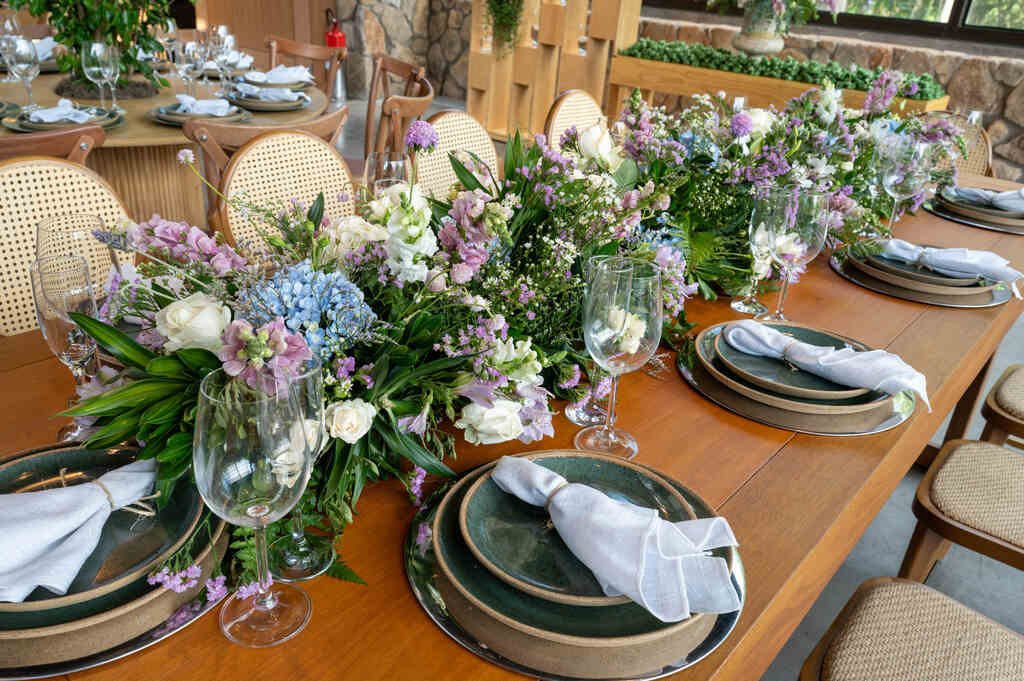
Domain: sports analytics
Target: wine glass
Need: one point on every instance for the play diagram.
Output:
(61, 285)
(95, 57)
(24, 63)
(905, 171)
(591, 413)
(252, 459)
(186, 58)
(111, 69)
(166, 33)
(792, 223)
(9, 30)
(385, 165)
(622, 328)
(225, 47)
(298, 556)
(73, 234)
(760, 262)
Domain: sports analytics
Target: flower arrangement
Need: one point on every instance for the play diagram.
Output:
(785, 12)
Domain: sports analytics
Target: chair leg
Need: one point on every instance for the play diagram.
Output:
(926, 547)
(994, 435)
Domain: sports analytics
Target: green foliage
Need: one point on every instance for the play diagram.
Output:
(127, 24)
(503, 18)
(703, 56)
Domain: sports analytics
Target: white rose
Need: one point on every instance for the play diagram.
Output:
(488, 426)
(195, 322)
(350, 233)
(596, 143)
(349, 420)
(762, 120)
(846, 166)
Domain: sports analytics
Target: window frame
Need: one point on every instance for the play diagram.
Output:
(954, 29)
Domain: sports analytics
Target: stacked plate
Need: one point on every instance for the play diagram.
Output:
(22, 122)
(300, 85)
(257, 104)
(512, 591)
(774, 392)
(173, 116)
(946, 204)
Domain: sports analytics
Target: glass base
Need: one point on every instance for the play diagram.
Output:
(292, 563)
(748, 305)
(587, 415)
(605, 440)
(73, 432)
(772, 317)
(255, 626)
(30, 107)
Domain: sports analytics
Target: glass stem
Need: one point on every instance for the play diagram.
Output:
(609, 417)
(892, 215)
(103, 97)
(113, 95)
(782, 293)
(265, 598)
(298, 531)
(28, 90)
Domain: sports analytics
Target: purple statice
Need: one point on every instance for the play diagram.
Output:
(265, 358)
(882, 92)
(184, 244)
(421, 136)
(534, 413)
(416, 485)
(674, 289)
(423, 536)
(478, 339)
(569, 138)
(741, 124)
(178, 582)
(216, 589)
(572, 379)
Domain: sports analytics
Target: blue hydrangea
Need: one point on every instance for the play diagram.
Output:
(325, 307)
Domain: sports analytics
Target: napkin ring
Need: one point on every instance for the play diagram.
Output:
(139, 507)
(552, 495)
(785, 352)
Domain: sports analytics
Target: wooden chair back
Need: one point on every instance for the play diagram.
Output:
(74, 144)
(571, 108)
(318, 53)
(979, 147)
(396, 111)
(35, 188)
(456, 131)
(278, 166)
(219, 140)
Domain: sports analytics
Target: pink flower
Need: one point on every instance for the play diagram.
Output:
(461, 273)
(216, 589)
(265, 358)
(186, 156)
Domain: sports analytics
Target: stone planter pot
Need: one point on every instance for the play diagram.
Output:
(760, 32)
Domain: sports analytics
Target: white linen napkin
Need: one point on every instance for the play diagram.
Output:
(875, 369)
(46, 536)
(45, 47)
(64, 111)
(1011, 201)
(282, 74)
(243, 61)
(961, 263)
(270, 94)
(661, 565)
(210, 107)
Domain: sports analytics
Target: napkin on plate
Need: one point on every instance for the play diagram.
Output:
(235, 60)
(1011, 201)
(270, 94)
(661, 565)
(64, 111)
(282, 74)
(875, 369)
(210, 107)
(960, 263)
(45, 47)
(46, 536)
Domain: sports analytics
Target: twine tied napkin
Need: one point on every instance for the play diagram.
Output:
(64, 111)
(1011, 201)
(282, 74)
(270, 94)
(46, 536)
(875, 369)
(661, 565)
(960, 263)
(209, 107)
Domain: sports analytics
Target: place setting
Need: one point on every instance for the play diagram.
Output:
(65, 114)
(1001, 211)
(188, 108)
(293, 77)
(254, 98)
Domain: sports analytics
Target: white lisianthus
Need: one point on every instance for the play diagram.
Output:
(829, 100)
(518, 360)
(629, 327)
(762, 255)
(596, 143)
(403, 256)
(351, 233)
(762, 121)
(790, 245)
(820, 166)
(491, 425)
(195, 322)
(349, 420)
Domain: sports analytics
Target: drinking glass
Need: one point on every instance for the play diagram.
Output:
(188, 63)
(225, 47)
(385, 165)
(95, 57)
(111, 69)
(166, 33)
(905, 171)
(24, 63)
(61, 285)
(622, 328)
(205, 42)
(252, 458)
(298, 556)
(749, 304)
(9, 30)
(591, 413)
(792, 223)
(73, 234)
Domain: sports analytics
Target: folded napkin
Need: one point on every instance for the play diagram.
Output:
(45, 47)
(875, 369)
(661, 565)
(961, 263)
(270, 94)
(47, 536)
(282, 74)
(234, 60)
(64, 111)
(1012, 201)
(210, 107)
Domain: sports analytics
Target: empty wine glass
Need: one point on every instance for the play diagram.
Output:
(9, 30)
(111, 68)
(94, 63)
(298, 556)
(385, 165)
(222, 58)
(252, 459)
(622, 328)
(905, 171)
(61, 285)
(166, 33)
(792, 223)
(760, 266)
(73, 234)
(24, 63)
(205, 41)
(188, 62)
(590, 413)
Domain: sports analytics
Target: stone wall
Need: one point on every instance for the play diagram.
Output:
(448, 54)
(398, 28)
(994, 85)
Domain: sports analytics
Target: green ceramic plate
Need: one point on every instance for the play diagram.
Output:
(918, 272)
(779, 376)
(129, 547)
(114, 120)
(254, 104)
(518, 544)
(950, 199)
(974, 287)
(97, 116)
(297, 85)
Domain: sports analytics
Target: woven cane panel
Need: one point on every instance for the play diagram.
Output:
(457, 131)
(573, 108)
(283, 166)
(982, 486)
(908, 632)
(1010, 395)
(33, 191)
(976, 142)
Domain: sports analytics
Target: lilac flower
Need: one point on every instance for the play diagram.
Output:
(423, 537)
(572, 380)
(186, 156)
(741, 125)
(265, 358)
(178, 582)
(216, 589)
(416, 485)
(421, 136)
(415, 424)
(534, 413)
(184, 244)
(882, 91)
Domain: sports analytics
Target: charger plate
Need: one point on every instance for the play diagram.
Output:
(97, 116)
(935, 208)
(843, 425)
(977, 286)
(502, 644)
(162, 116)
(970, 210)
(918, 272)
(254, 104)
(130, 545)
(9, 108)
(998, 295)
(116, 120)
(297, 85)
(518, 544)
(779, 376)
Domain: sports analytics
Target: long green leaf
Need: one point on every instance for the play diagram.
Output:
(170, 367)
(120, 429)
(165, 410)
(131, 396)
(411, 449)
(198, 360)
(425, 370)
(118, 344)
(466, 178)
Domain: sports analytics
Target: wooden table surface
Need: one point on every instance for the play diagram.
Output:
(797, 503)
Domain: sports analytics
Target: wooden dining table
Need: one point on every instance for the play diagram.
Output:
(797, 503)
(139, 157)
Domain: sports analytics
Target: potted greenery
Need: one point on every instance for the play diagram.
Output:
(765, 22)
(127, 24)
